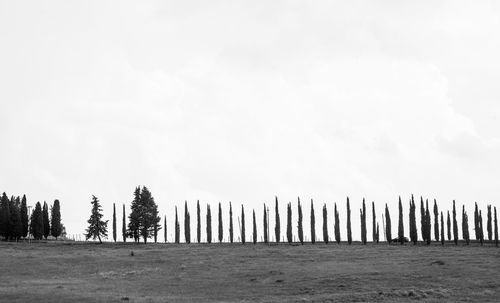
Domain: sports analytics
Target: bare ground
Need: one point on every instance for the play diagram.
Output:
(86, 272)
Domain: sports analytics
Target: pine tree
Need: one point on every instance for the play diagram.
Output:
(313, 223)
(114, 223)
(5, 217)
(436, 221)
(55, 219)
(325, 225)
(496, 228)
(221, 235)
(254, 228)
(36, 226)
(377, 235)
(177, 228)
(46, 223)
(133, 218)
(413, 222)
(480, 224)
(24, 217)
(374, 222)
(198, 219)
(476, 222)
(448, 224)
(124, 225)
(455, 225)
(465, 226)
(97, 227)
(242, 225)
(265, 225)
(442, 229)
(300, 228)
(428, 223)
(289, 223)
(363, 223)
(209, 225)
(16, 226)
(388, 233)
(165, 229)
(277, 222)
(488, 224)
(337, 224)
(401, 231)
(187, 224)
(349, 230)
(148, 215)
(423, 224)
(231, 231)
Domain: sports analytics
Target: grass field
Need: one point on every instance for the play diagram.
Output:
(86, 272)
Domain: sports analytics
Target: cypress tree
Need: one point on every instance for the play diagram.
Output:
(36, 226)
(388, 233)
(230, 222)
(378, 234)
(313, 223)
(277, 223)
(134, 216)
(254, 228)
(455, 225)
(97, 227)
(374, 220)
(481, 234)
(496, 228)
(46, 223)
(187, 224)
(165, 229)
(325, 224)
(221, 235)
(177, 228)
(436, 221)
(465, 226)
(401, 231)
(448, 224)
(209, 225)
(423, 224)
(442, 229)
(413, 226)
(242, 225)
(363, 223)
(289, 223)
(114, 223)
(488, 224)
(476, 222)
(198, 224)
(428, 223)
(301, 230)
(147, 214)
(265, 225)
(5, 216)
(55, 220)
(15, 220)
(156, 224)
(349, 230)
(24, 217)
(124, 226)
(337, 224)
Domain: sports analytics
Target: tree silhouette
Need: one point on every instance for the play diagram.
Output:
(165, 229)
(481, 233)
(448, 224)
(177, 228)
(187, 224)
(401, 230)
(209, 224)
(337, 224)
(465, 226)
(374, 222)
(496, 228)
(289, 223)
(428, 223)
(388, 233)
(221, 236)
(24, 217)
(124, 226)
(46, 222)
(242, 225)
(300, 225)
(423, 217)
(198, 219)
(442, 229)
(313, 223)
(55, 219)
(363, 223)
(325, 224)
(455, 225)
(254, 228)
(277, 222)
(5, 216)
(97, 227)
(476, 222)
(413, 222)
(349, 230)
(436, 221)
(114, 223)
(231, 230)
(488, 224)
(265, 225)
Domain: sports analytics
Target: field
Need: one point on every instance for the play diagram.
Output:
(87, 272)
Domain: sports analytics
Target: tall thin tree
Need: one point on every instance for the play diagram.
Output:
(165, 229)
(488, 224)
(300, 228)
(401, 230)
(97, 226)
(436, 221)
(243, 238)
(465, 226)
(46, 222)
(413, 222)
(428, 223)
(476, 221)
(374, 223)
(289, 222)
(221, 234)
(177, 228)
(442, 229)
(448, 225)
(254, 228)
(209, 225)
(455, 225)
(124, 226)
(55, 219)
(349, 230)
(231, 230)
(325, 224)
(198, 221)
(313, 223)
(114, 222)
(337, 224)
(496, 228)
(481, 232)
(187, 224)
(24, 217)
(423, 217)
(388, 233)
(266, 240)
(363, 223)
(277, 222)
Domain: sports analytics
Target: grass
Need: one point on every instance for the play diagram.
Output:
(87, 272)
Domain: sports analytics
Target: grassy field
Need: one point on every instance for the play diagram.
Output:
(85, 272)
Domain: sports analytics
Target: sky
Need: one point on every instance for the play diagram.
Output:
(243, 101)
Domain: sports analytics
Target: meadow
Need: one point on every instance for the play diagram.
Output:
(88, 272)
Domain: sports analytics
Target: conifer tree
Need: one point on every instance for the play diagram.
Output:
(448, 224)
(436, 221)
(423, 224)
(230, 223)
(413, 222)
(363, 223)
(349, 230)
(481, 233)
(209, 225)
(374, 223)
(134, 216)
(187, 224)
(266, 240)
(177, 228)
(488, 224)
(165, 229)
(5, 216)
(442, 229)
(198, 220)
(496, 228)
(388, 233)
(313, 223)
(254, 228)
(243, 238)
(455, 225)
(277, 222)
(476, 221)
(465, 226)
(221, 235)
(337, 224)
(325, 224)
(36, 226)
(147, 215)
(114, 223)
(289, 222)
(24, 217)
(377, 235)
(428, 223)
(16, 226)
(300, 228)
(46, 222)
(97, 227)
(401, 231)
(124, 226)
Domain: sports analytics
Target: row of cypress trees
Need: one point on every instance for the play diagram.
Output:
(15, 223)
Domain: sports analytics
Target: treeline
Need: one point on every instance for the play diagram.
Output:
(144, 222)
(16, 223)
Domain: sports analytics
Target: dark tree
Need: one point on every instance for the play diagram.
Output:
(337, 224)
(465, 226)
(388, 233)
(36, 226)
(448, 224)
(455, 225)
(134, 216)
(147, 214)
(289, 223)
(5, 217)
(265, 225)
(46, 222)
(325, 224)
(277, 222)
(413, 222)
(423, 217)
(442, 229)
(377, 237)
(480, 224)
(374, 223)
(436, 221)
(496, 228)
(363, 223)
(300, 228)
(16, 225)
(165, 229)
(187, 224)
(488, 224)
(313, 223)
(428, 223)
(349, 230)
(177, 228)
(55, 220)
(242, 225)
(209, 225)
(476, 222)
(254, 228)
(231, 231)
(24, 217)
(221, 235)
(401, 230)
(198, 219)
(124, 225)
(114, 222)
(97, 227)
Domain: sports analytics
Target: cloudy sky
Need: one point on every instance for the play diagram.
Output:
(244, 100)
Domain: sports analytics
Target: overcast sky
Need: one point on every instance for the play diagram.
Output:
(241, 101)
